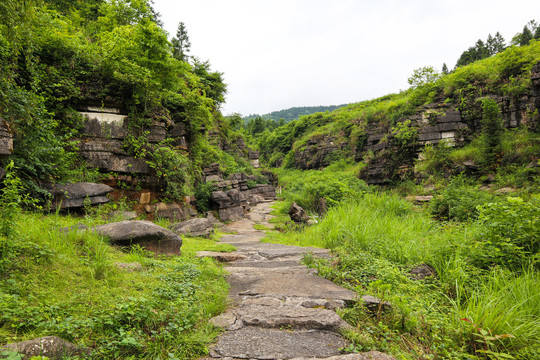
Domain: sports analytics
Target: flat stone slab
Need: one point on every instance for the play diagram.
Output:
(371, 355)
(270, 344)
(221, 256)
(293, 317)
(265, 264)
(288, 283)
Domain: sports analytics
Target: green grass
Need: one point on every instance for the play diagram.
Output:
(190, 245)
(66, 284)
(377, 238)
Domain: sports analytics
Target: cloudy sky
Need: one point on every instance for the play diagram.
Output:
(277, 54)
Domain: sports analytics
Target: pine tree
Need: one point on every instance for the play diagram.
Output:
(525, 37)
(445, 69)
(180, 43)
(498, 43)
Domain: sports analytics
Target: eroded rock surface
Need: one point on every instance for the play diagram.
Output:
(282, 309)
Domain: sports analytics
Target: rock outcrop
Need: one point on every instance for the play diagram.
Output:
(6, 139)
(144, 233)
(432, 123)
(237, 194)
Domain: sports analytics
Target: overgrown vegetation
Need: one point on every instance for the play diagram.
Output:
(476, 240)
(66, 283)
(56, 57)
(480, 267)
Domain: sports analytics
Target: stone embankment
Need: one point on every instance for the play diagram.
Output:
(280, 308)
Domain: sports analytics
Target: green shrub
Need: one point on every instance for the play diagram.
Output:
(458, 201)
(492, 131)
(203, 194)
(511, 236)
(171, 167)
(306, 188)
(435, 159)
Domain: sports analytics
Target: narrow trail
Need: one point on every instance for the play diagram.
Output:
(280, 308)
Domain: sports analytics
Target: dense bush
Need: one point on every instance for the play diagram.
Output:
(459, 201)
(511, 235)
(307, 188)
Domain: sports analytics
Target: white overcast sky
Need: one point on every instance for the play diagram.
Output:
(277, 54)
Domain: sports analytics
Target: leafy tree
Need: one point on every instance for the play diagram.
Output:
(423, 76)
(529, 32)
(212, 82)
(181, 44)
(482, 50)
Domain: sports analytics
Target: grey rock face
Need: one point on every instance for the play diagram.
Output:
(297, 214)
(375, 304)
(423, 271)
(144, 233)
(194, 227)
(77, 195)
(52, 347)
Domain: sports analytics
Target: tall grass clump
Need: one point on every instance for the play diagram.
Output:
(508, 307)
(334, 184)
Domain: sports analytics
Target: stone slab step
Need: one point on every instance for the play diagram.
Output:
(281, 316)
(288, 283)
(271, 344)
(371, 355)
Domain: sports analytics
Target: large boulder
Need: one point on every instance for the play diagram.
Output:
(144, 233)
(194, 227)
(52, 347)
(78, 195)
(297, 214)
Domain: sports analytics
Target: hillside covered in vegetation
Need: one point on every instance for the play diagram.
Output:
(455, 161)
(429, 198)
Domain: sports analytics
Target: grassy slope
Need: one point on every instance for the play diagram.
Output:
(66, 284)
(378, 238)
(507, 73)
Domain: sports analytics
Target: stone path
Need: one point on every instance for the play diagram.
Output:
(281, 309)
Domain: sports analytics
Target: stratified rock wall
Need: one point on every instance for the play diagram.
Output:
(433, 123)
